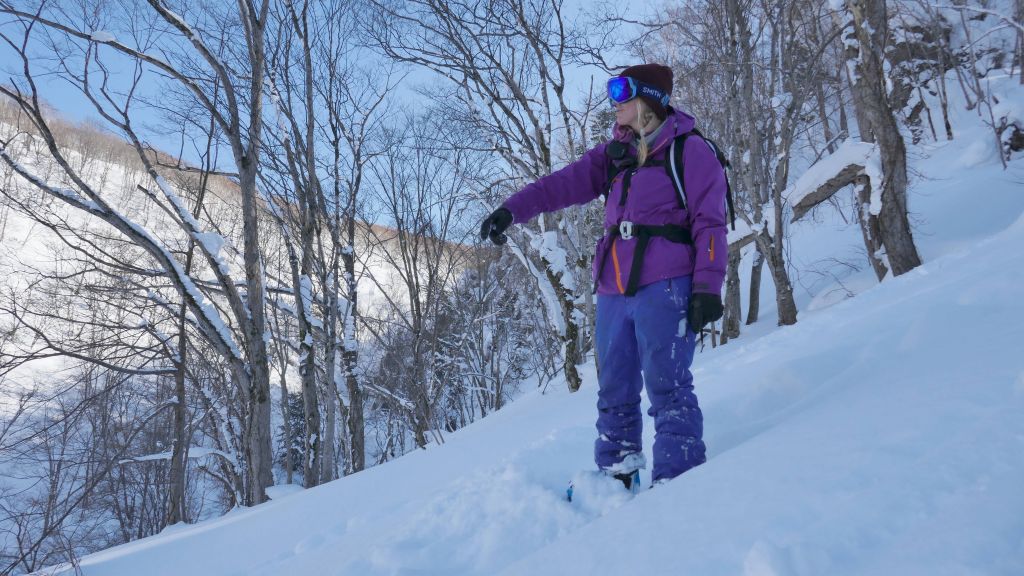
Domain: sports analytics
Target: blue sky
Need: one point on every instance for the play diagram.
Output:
(72, 104)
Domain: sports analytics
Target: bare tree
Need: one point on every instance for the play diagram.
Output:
(232, 93)
(750, 91)
(73, 442)
(485, 339)
(325, 104)
(176, 506)
(100, 303)
(423, 188)
(356, 109)
(294, 53)
(505, 63)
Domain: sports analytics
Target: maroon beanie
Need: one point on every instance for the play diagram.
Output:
(656, 75)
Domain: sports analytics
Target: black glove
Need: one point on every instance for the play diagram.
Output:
(494, 226)
(704, 308)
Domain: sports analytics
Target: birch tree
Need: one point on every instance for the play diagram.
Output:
(326, 104)
(291, 87)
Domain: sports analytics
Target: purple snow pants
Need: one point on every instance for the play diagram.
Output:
(647, 334)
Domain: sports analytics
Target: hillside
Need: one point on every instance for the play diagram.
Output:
(880, 435)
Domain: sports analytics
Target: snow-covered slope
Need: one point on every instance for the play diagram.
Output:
(883, 434)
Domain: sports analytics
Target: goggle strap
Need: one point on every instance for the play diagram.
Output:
(637, 88)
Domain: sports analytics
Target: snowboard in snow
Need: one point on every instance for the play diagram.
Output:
(596, 489)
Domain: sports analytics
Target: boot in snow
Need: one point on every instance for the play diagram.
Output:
(631, 480)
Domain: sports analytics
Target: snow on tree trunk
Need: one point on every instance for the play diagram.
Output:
(867, 56)
(350, 356)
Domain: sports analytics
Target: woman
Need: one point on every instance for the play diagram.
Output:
(658, 269)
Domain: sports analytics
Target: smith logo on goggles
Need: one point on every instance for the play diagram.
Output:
(622, 89)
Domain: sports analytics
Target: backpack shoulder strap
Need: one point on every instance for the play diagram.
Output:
(616, 154)
(676, 168)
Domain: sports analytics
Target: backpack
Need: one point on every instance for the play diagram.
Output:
(675, 167)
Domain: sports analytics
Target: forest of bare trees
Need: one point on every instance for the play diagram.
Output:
(291, 291)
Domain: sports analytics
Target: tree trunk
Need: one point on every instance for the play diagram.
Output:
(754, 303)
(869, 226)
(783, 287)
(752, 163)
(733, 312)
(310, 231)
(176, 506)
(844, 121)
(257, 426)
(944, 101)
(422, 417)
(893, 222)
(1018, 18)
(775, 248)
(570, 340)
(311, 440)
(928, 114)
(870, 95)
(289, 458)
(176, 511)
(819, 94)
(350, 357)
(356, 425)
(329, 466)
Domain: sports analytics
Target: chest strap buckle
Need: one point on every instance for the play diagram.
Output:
(626, 229)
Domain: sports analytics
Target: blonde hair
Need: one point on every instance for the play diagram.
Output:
(644, 115)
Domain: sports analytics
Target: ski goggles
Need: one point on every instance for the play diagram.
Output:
(622, 89)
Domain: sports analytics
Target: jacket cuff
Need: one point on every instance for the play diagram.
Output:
(707, 282)
(510, 206)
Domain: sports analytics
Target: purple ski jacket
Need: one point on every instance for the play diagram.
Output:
(651, 200)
